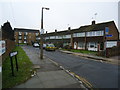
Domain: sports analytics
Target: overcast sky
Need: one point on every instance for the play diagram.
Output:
(62, 13)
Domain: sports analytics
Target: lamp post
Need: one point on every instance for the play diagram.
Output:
(42, 31)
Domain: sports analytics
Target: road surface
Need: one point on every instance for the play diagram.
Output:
(99, 74)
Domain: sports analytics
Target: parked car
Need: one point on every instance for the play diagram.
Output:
(36, 45)
(44, 46)
(50, 47)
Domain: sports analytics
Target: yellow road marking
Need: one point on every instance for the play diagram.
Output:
(83, 80)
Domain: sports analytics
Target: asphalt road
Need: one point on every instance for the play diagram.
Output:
(99, 74)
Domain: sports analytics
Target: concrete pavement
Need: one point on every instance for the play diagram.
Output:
(48, 74)
(112, 60)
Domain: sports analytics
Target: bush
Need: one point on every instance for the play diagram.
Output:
(67, 47)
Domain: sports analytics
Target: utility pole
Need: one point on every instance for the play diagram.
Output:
(42, 31)
(85, 40)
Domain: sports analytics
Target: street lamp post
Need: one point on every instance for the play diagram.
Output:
(42, 31)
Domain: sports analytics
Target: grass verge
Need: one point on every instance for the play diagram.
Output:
(82, 51)
(24, 72)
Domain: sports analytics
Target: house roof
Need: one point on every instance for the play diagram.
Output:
(94, 27)
(86, 28)
(25, 30)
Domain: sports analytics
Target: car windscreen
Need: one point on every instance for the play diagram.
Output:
(51, 45)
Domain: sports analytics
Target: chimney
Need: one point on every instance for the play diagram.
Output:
(93, 22)
(69, 28)
(55, 30)
(46, 32)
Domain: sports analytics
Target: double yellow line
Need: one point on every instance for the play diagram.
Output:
(84, 81)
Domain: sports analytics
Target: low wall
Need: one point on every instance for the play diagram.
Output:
(113, 51)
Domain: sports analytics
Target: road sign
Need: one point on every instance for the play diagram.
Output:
(12, 65)
(13, 54)
(42, 31)
(109, 35)
(106, 30)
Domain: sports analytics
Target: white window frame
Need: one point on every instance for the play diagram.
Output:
(52, 37)
(82, 34)
(20, 41)
(47, 38)
(59, 37)
(110, 44)
(25, 41)
(20, 33)
(36, 34)
(19, 37)
(95, 33)
(66, 36)
(81, 45)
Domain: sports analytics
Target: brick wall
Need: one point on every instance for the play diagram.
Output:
(10, 44)
(113, 51)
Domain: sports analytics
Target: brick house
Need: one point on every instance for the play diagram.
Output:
(94, 37)
(26, 36)
(7, 36)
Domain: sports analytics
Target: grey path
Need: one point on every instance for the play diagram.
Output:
(49, 75)
(99, 74)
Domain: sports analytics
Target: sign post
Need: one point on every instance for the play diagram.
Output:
(12, 66)
(106, 34)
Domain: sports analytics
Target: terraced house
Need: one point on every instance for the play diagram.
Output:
(94, 37)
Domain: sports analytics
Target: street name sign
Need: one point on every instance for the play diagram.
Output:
(109, 35)
(11, 60)
(13, 54)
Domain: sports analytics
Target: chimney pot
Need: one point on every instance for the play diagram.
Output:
(93, 22)
(55, 30)
(69, 28)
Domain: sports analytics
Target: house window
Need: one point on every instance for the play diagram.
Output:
(66, 36)
(46, 37)
(59, 37)
(25, 42)
(25, 38)
(20, 37)
(75, 35)
(81, 45)
(79, 34)
(20, 33)
(26, 33)
(52, 37)
(36, 34)
(95, 33)
(20, 41)
(38, 38)
(92, 46)
(111, 44)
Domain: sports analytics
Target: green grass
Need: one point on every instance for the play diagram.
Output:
(24, 72)
(82, 51)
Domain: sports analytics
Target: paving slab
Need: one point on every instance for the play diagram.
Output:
(48, 75)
